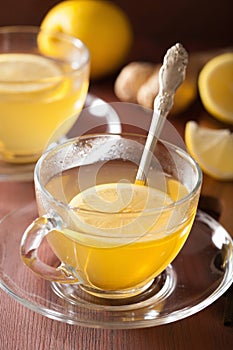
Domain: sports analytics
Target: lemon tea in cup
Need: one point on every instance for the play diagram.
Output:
(112, 236)
(44, 80)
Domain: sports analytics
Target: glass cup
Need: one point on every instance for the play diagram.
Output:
(112, 237)
(44, 80)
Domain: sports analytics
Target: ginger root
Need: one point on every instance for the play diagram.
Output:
(131, 78)
(138, 82)
(149, 89)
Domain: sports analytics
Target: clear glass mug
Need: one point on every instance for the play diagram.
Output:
(111, 236)
(44, 79)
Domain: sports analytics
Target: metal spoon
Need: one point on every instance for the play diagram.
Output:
(171, 76)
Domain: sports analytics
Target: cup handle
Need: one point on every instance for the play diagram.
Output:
(30, 243)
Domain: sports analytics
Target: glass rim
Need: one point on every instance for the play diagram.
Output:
(76, 42)
(168, 145)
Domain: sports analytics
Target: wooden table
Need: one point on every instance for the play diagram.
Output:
(22, 329)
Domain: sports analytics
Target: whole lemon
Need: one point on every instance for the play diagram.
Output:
(101, 25)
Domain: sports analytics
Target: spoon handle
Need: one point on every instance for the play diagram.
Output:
(171, 76)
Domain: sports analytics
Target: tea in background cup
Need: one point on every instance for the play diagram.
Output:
(44, 80)
(112, 236)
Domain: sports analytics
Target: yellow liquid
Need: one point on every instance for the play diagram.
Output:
(36, 111)
(150, 243)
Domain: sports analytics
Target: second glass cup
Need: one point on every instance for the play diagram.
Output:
(112, 236)
(43, 85)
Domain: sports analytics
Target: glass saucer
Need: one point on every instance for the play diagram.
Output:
(104, 119)
(200, 274)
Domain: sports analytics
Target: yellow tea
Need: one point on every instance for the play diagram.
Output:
(120, 234)
(40, 99)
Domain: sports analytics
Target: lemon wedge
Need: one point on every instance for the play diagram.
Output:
(212, 149)
(24, 72)
(215, 83)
